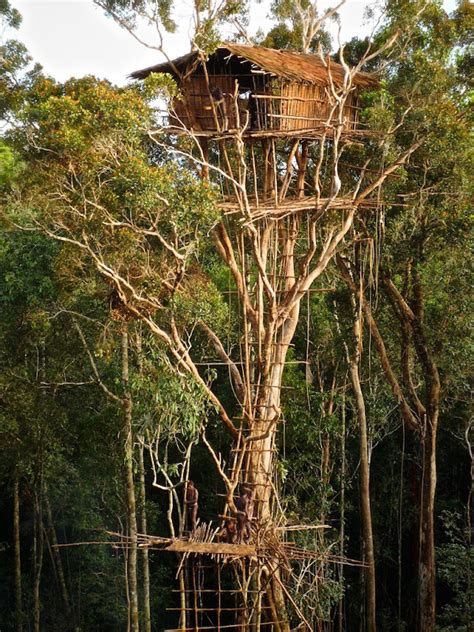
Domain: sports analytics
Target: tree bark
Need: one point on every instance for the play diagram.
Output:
(342, 504)
(426, 431)
(365, 500)
(145, 557)
(427, 566)
(17, 554)
(57, 555)
(260, 467)
(131, 501)
(142, 488)
(423, 421)
(354, 363)
(38, 550)
(413, 315)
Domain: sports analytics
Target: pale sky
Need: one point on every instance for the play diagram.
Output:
(74, 38)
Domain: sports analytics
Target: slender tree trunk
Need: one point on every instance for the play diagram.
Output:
(342, 506)
(268, 169)
(145, 557)
(421, 417)
(17, 553)
(131, 502)
(142, 486)
(57, 555)
(354, 361)
(427, 566)
(38, 550)
(365, 500)
(413, 314)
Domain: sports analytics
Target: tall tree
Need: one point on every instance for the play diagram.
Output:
(353, 357)
(140, 235)
(110, 194)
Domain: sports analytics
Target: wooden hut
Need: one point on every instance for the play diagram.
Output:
(265, 91)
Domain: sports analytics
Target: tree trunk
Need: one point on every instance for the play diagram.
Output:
(38, 549)
(57, 555)
(411, 314)
(353, 361)
(342, 506)
(260, 462)
(426, 566)
(365, 500)
(131, 502)
(145, 557)
(429, 428)
(142, 482)
(421, 418)
(17, 553)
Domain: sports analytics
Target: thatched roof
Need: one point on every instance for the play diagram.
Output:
(286, 64)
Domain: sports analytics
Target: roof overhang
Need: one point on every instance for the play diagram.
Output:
(286, 64)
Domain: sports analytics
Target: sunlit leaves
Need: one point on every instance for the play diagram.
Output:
(200, 300)
(130, 12)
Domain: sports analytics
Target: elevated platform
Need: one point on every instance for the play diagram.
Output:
(268, 543)
(326, 131)
(272, 209)
(202, 548)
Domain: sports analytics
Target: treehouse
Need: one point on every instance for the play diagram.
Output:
(262, 91)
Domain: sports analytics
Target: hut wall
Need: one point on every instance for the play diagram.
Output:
(199, 111)
(307, 106)
(272, 105)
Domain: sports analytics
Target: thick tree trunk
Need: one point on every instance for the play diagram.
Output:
(131, 502)
(17, 554)
(260, 474)
(261, 455)
(365, 501)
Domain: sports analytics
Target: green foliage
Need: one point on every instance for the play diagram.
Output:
(455, 568)
(78, 163)
(16, 73)
(201, 301)
(92, 180)
(129, 12)
(287, 32)
(25, 269)
(167, 403)
(209, 17)
(9, 166)
(158, 86)
(10, 16)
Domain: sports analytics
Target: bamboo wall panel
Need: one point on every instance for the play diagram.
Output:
(275, 105)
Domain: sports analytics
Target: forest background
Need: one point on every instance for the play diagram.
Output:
(98, 416)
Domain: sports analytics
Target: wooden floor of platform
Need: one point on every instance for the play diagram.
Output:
(192, 546)
(290, 205)
(303, 134)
